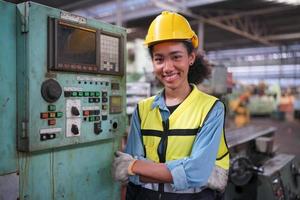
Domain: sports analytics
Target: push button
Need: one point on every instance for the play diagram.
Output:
(51, 115)
(86, 113)
(59, 114)
(104, 100)
(104, 94)
(91, 118)
(67, 93)
(44, 115)
(104, 107)
(51, 107)
(96, 112)
(80, 94)
(97, 118)
(74, 94)
(47, 136)
(97, 94)
(51, 122)
(86, 94)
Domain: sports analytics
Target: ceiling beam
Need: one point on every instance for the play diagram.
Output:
(136, 14)
(233, 29)
(78, 4)
(288, 36)
(230, 28)
(132, 15)
(253, 12)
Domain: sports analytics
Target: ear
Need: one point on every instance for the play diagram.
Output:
(192, 57)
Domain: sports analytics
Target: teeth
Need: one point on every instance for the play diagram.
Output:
(168, 75)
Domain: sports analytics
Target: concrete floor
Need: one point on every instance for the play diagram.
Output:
(287, 136)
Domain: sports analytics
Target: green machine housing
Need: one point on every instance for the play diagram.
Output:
(70, 74)
(69, 102)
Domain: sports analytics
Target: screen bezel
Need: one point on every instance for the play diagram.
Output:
(53, 44)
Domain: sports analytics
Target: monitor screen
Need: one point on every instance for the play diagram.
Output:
(115, 104)
(75, 45)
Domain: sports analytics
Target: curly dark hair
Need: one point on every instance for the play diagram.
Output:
(201, 68)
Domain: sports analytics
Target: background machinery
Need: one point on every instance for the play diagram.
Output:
(257, 171)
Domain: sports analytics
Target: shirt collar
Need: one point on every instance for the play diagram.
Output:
(159, 100)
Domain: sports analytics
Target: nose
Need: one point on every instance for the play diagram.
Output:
(168, 66)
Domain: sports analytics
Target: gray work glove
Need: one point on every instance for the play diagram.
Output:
(121, 163)
(218, 179)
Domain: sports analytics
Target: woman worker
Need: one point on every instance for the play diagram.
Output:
(176, 146)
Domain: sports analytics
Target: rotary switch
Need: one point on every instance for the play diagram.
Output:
(75, 111)
(51, 90)
(74, 129)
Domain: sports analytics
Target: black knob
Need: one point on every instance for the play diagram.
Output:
(74, 111)
(74, 129)
(51, 90)
(115, 125)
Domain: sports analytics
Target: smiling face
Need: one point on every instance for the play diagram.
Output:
(171, 63)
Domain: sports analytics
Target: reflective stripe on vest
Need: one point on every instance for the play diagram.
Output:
(176, 135)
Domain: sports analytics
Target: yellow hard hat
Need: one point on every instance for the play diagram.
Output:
(170, 26)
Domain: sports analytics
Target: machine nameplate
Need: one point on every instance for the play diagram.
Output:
(72, 17)
(72, 89)
(50, 130)
(87, 78)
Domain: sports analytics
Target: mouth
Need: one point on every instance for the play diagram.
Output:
(170, 77)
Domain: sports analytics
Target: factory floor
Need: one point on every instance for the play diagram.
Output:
(287, 136)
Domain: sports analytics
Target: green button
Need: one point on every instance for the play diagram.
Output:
(74, 94)
(92, 94)
(97, 94)
(86, 94)
(51, 107)
(59, 114)
(80, 94)
(91, 118)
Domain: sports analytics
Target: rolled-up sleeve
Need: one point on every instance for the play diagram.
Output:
(194, 171)
(134, 144)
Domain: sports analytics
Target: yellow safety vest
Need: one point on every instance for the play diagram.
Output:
(178, 133)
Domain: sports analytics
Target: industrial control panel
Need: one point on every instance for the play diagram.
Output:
(70, 79)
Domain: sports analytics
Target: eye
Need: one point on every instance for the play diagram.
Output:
(158, 60)
(177, 57)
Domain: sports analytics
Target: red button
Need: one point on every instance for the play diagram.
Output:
(44, 115)
(86, 113)
(51, 122)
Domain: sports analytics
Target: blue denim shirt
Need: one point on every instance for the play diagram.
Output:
(188, 172)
